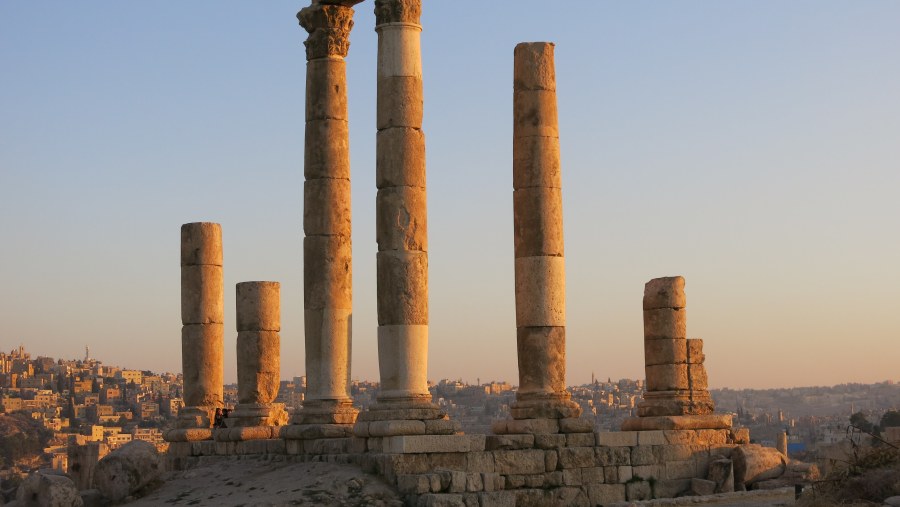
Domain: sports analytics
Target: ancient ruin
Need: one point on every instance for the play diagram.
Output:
(203, 326)
(544, 454)
(327, 266)
(538, 243)
(258, 356)
(677, 395)
(404, 402)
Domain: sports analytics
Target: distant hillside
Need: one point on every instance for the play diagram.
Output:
(22, 439)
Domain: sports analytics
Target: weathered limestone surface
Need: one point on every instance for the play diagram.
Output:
(258, 355)
(127, 469)
(538, 468)
(202, 316)
(538, 242)
(327, 263)
(676, 377)
(404, 402)
(47, 487)
(721, 472)
(754, 463)
(82, 461)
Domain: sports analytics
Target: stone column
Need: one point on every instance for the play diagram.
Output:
(258, 356)
(401, 213)
(202, 316)
(677, 396)
(539, 262)
(327, 263)
(782, 443)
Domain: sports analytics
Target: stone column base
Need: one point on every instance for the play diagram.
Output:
(678, 422)
(541, 426)
(675, 403)
(325, 412)
(257, 414)
(321, 419)
(409, 416)
(195, 417)
(244, 433)
(544, 406)
(187, 434)
(413, 408)
(315, 431)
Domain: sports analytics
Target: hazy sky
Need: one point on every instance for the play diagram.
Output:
(750, 146)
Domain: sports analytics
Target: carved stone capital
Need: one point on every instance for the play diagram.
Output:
(397, 11)
(329, 29)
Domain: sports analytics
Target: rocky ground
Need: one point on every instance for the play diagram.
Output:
(252, 482)
(772, 498)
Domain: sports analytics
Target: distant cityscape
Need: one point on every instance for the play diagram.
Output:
(87, 408)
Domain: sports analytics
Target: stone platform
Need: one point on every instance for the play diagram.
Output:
(579, 468)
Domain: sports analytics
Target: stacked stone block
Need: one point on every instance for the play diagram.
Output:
(677, 395)
(202, 332)
(327, 262)
(403, 404)
(538, 242)
(258, 356)
(524, 469)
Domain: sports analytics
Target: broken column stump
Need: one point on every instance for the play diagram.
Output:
(677, 395)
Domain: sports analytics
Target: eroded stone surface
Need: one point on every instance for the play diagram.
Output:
(540, 291)
(538, 221)
(47, 488)
(127, 469)
(534, 66)
(259, 366)
(677, 383)
(202, 300)
(258, 307)
(202, 364)
(665, 292)
(201, 243)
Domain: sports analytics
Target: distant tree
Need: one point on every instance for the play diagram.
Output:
(859, 421)
(890, 419)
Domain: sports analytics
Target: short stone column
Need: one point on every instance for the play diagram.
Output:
(258, 356)
(202, 316)
(538, 236)
(677, 395)
(782, 443)
(403, 405)
(327, 262)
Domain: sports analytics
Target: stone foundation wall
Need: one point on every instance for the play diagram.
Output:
(523, 469)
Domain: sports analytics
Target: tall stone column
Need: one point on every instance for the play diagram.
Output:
(258, 355)
(538, 232)
(677, 396)
(202, 316)
(404, 402)
(327, 262)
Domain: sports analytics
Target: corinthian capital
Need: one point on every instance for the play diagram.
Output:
(397, 11)
(329, 24)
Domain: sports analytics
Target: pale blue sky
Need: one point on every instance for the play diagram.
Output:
(750, 146)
